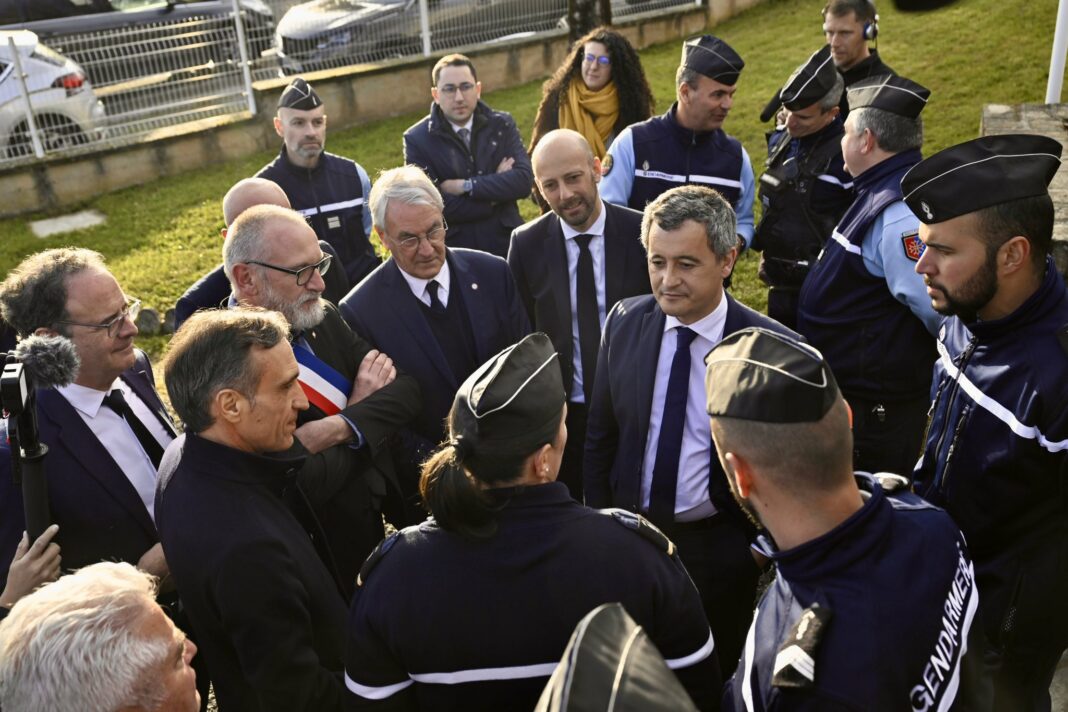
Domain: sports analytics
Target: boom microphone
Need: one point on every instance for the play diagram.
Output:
(50, 361)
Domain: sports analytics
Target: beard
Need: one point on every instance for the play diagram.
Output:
(973, 295)
(304, 313)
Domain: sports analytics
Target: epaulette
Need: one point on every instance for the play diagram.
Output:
(891, 483)
(375, 556)
(646, 529)
(1062, 337)
(795, 663)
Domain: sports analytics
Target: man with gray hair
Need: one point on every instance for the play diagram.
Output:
(247, 550)
(648, 448)
(358, 398)
(96, 640)
(863, 305)
(439, 311)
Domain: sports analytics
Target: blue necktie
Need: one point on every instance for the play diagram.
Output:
(672, 425)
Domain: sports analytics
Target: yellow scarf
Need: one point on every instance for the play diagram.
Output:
(592, 113)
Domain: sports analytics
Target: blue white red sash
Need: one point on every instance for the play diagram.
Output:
(325, 388)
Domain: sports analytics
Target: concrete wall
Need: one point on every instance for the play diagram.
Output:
(355, 96)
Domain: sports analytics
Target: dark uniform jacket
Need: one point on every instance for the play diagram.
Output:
(804, 191)
(484, 218)
(447, 623)
(538, 258)
(876, 347)
(870, 66)
(879, 614)
(331, 198)
(268, 614)
(996, 456)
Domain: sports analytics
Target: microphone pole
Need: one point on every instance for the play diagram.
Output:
(27, 450)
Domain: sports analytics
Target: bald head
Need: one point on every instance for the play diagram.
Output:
(249, 192)
(561, 143)
(567, 174)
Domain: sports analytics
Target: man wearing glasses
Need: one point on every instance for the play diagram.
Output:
(440, 312)
(474, 155)
(358, 398)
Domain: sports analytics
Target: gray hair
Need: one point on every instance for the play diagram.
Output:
(407, 184)
(702, 205)
(686, 75)
(893, 133)
(212, 351)
(75, 644)
(244, 239)
(34, 295)
(833, 96)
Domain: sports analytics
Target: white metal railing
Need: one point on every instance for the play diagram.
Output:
(78, 91)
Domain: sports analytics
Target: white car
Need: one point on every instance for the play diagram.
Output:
(65, 109)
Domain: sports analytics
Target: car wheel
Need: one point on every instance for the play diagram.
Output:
(57, 133)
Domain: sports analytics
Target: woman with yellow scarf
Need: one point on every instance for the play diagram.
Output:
(599, 90)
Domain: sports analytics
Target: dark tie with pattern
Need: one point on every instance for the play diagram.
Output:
(465, 136)
(672, 425)
(435, 301)
(117, 403)
(589, 319)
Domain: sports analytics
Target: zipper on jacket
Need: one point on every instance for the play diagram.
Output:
(967, 354)
(943, 484)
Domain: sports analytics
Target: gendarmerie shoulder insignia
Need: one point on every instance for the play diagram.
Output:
(372, 560)
(1062, 337)
(795, 663)
(892, 483)
(646, 529)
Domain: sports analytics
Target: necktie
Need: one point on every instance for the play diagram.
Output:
(589, 319)
(669, 444)
(435, 301)
(117, 403)
(465, 136)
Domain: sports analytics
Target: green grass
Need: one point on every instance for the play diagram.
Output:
(162, 236)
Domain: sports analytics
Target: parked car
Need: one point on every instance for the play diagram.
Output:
(330, 33)
(65, 109)
(120, 40)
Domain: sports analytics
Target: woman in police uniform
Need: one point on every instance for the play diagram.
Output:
(473, 608)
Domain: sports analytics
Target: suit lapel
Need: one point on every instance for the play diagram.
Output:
(138, 381)
(559, 279)
(407, 315)
(75, 436)
(648, 347)
(479, 311)
(615, 262)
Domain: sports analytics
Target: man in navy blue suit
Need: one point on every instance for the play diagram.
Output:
(439, 312)
(571, 265)
(648, 447)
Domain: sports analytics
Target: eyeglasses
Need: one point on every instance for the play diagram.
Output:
(435, 236)
(600, 59)
(303, 274)
(130, 310)
(451, 89)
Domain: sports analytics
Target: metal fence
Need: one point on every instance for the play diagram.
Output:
(162, 64)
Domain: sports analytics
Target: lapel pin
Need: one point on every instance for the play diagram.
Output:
(474, 285)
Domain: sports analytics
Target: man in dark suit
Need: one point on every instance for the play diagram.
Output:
(213, 288)
(358, 399)
(571, 265)
(648, 447)
(439, 312)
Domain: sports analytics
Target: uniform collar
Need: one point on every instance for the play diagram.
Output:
(897, 163)
(550, 493)
(685, 134)
(273, 470)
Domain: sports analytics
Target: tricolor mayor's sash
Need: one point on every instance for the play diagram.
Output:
(325, 388)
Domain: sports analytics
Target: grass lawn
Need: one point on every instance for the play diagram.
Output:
(162, 236)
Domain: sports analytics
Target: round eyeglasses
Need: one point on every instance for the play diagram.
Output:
(130, 310)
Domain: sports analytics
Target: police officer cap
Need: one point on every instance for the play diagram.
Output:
(299, 95)
(897, 95)
(979, 173)
(511, 403)
(756, 374)
(808, 84)
(713, 58)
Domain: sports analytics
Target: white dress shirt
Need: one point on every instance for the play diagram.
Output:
(421, 287)
(691, 489)
(597, 251)
(115, 434)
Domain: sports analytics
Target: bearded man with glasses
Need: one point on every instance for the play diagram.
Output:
(474, 155)
(439, 311)
(357, 397)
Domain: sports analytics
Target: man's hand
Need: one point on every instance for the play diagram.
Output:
(32, 566)
(376, 370)
(453, 186)
(318, 435)
(505, 165)
(154, 562)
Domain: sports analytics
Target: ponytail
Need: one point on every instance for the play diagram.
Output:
(457, 504)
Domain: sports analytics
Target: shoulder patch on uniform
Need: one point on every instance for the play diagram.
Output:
(606, 164)
(646, 529)
(375, 556)
(913, 245)
(1062, 337)
(795, 663)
